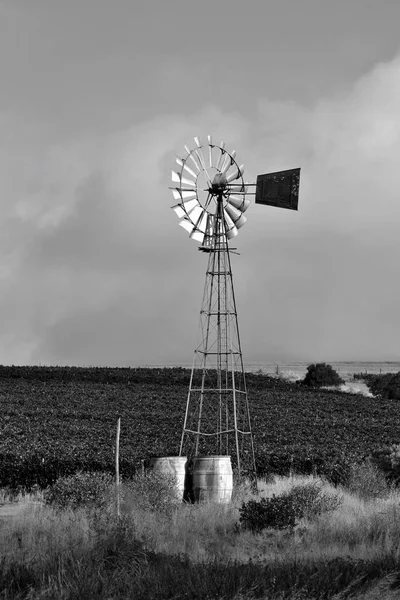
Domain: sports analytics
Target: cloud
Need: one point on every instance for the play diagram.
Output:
(95, 270)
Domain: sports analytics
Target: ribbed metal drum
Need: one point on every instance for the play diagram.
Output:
(212, 479)
(172, 465)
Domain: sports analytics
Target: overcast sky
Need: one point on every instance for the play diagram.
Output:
(97, 96)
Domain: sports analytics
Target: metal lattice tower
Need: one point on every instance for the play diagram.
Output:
(217, 417)
(211, 195)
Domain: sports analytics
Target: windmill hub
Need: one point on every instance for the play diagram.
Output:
(219, 183)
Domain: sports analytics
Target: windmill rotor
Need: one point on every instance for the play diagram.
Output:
(209, 182)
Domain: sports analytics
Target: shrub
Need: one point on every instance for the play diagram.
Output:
(367, 481)
(276, 512)
(310, 500)
(281, 512)
(152, 490)
(321, 374)
(80, 490)
(337, 470)
(387, 460)
(385, 386)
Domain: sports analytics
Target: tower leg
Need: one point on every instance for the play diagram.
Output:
(217, 416)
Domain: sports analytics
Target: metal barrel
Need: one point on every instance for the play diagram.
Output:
(171, 465)
(212, 479)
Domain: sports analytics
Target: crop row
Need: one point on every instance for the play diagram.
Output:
(55, 422)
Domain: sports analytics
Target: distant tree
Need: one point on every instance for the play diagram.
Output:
(385, 386)
(321, 374)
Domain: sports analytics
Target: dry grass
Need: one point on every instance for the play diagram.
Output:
(358, 528)
(47, 541)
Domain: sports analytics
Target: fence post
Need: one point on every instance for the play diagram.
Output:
(117, 464)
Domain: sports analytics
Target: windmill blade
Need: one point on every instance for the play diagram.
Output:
(185, 207)
(232, 233)
(179, 194)
(176, 194)
(210, 150)
(195, 214)
(230, 228)
(241, 221)
(183, 164)
(199, 217)
(190, 171)
(197, 235)
(179, 210)
(190, 155)
(229, 224)
(241, 203)
(185, 181)
(236, 174)
(226, 163)
(190, 205)
(237, 217)
(221, 147)
(177, 178)
(186, 224)
(200, 157)
(229, 161)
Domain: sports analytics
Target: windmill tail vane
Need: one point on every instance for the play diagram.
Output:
(211, 199)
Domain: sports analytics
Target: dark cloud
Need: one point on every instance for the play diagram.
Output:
(97, 270)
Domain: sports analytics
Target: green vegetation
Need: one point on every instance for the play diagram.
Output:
(321, 374)
(59, 421)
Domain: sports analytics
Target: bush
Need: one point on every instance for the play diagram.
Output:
(310, 500)
(281, 512)
(385, 386)
(276, 512)
(387, 460)
(321, 374)
(91, 490)
(152, 490)
(367, 481)
(337, 470)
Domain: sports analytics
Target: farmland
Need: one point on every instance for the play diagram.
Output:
(58, 420)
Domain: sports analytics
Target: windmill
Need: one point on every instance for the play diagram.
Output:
(211, 199)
